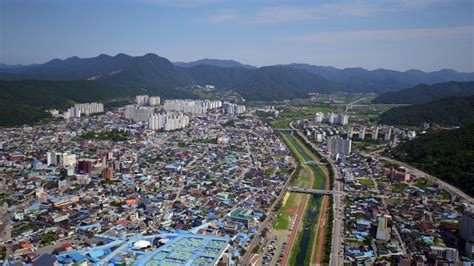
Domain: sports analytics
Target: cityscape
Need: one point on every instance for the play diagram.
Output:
(112, 154)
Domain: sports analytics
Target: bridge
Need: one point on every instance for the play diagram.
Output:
(310, 191)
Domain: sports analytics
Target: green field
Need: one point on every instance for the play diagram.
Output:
(284, 217)
(366, 182)
(281, 123)
(297, 112)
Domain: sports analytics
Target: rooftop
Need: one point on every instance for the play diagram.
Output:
(187, 249)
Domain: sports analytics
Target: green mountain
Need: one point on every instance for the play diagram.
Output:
(382, 80)
(448, 155)
(157, 74)
(279, 82)
(424, 93)
(214, 62)
(452, 111)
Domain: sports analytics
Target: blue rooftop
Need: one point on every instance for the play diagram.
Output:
(187, 249)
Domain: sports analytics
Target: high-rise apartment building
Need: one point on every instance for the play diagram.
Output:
(89, 108)
(467, 230)
(63, 159)
(232, 108)
(168, 121)
(191, 106)
(142, 100)
(154, 100)
(318, 117)
(338, 145)
(141, 113)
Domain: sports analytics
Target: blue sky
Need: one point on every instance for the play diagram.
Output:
(393, 34)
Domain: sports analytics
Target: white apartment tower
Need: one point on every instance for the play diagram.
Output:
(168, 121)
(64, 159)
(136, 114)
(154, 100)
(141, 100)
(89, 108)
(338, 145)
(318, 117)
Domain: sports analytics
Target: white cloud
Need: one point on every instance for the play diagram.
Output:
(426, 34)
(316, 11)
(284, 14)
(223, 15)
(181, 3)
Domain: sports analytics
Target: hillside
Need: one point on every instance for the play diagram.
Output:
(25, 101)
(213, 62)
(448, 155)
(424, 93)
(452, 111)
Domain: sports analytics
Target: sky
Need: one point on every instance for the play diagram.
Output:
(391, 34)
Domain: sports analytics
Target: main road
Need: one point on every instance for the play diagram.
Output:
(417, 172)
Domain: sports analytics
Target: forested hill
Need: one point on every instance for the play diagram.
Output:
(448, 155)
(424, 93)
(25, 101)
(452, 111)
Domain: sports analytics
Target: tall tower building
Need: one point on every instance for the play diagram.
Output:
(467, 230)
(375, 133)
(362, 133)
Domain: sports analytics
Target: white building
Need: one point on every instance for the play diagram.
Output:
(168, 121)
(72, 113)
(342, 119)
(375, 133)
(191, 106)
(331, 118)
(223, 140)
(64, 159)
(141, 100)
(154, 100)
(89, 108)
(362, 133)
(136, 114)
(318, 117)
(338, 145)
(232, 108)
(388, 134)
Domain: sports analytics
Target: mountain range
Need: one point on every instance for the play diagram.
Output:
(277, 82)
